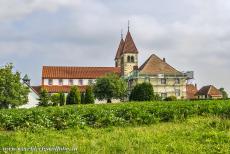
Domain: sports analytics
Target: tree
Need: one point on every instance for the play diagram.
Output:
(82, 98)
(89, 97)
(62, 99)
(142, 92)
(44, 98)
(13, 93)
(224, 93)
(109, 87)
(74, 96)
(55, 99)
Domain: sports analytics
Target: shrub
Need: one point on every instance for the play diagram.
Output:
(142, 92)
(44, 98)
(126, 114)
(74, 96)
(82, 98)
(170, 98)
(89, 97)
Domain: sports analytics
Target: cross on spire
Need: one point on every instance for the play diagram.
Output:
(128, 25)
(121, 33)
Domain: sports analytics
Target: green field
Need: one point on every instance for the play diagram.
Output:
(177, 127)
(195, 135)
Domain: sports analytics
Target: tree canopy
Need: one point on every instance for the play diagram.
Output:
(224, 93)
(44, 98)
(143, 92)
(89, 96)
(109, 87)
(13, 92)
(74, 96)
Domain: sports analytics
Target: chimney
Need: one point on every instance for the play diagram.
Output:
(164, 60)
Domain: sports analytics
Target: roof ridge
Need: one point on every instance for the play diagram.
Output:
(129, 44)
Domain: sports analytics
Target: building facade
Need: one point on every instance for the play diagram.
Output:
(166, 80)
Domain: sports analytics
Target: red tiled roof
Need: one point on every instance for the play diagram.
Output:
(191, 91)
(58, 72)
(209, 90)
(120, 49)
(154, 65)
(129, 46)
(63, 89)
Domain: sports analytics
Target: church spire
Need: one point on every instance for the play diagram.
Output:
(129, 46)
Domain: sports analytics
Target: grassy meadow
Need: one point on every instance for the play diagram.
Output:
(205, 129)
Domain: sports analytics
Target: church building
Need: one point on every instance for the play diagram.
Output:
(166, 80)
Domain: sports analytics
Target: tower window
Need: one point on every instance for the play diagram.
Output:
(128, 59)
(132, 59)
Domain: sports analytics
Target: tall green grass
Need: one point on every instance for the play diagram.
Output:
(198, 134)
(122, 114)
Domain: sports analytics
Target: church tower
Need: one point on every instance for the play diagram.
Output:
(129, 56)
(119, 53)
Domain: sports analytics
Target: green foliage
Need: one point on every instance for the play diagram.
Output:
(12, 92)
(62, 99)
(82, 98)
(170, 98)
(44, 98)
(74, 96)
(201, 135)
(224, 93)
(89, 97)
(122, 114)
(55, 99)
(109, 87)
(142, 92)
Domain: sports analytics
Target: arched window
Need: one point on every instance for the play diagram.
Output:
(132, 59)
(128, 59)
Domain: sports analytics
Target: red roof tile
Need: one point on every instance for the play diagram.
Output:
(120, 49)
(154, 65)
(209, 90)
(191, 91)
(129, 46)
(63, 89)
(57, 72)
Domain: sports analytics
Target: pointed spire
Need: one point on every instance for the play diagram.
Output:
(122, 34)
(128, 25)
(120, 48)
(129, 46)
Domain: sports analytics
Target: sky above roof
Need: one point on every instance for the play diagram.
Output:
(191, 35)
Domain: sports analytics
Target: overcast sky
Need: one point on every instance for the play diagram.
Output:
(190, 34)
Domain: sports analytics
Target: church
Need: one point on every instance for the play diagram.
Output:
(166, 80)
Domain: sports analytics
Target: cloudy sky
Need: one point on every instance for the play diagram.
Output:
(190, 34)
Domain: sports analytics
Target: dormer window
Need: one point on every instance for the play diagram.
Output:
(50, 82)
(60, 82)
(80, 82)
(70, 82)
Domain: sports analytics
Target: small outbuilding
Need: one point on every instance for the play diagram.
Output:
(209, 92)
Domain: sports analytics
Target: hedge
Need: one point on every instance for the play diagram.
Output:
(121, 114)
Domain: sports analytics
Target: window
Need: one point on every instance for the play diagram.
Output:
(80, 82)
(50, 82)
(177, 81)
(163, 81)
(90, 81)
(177, 92)
(70, 82)
(132, 59)
(128, 59)
(122, 60)
(60, 82)
(163, 95)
